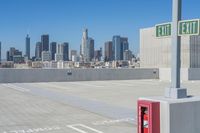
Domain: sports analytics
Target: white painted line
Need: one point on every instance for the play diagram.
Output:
(92, 129)
(112, 122)
(16, 87)
(34, 130)
(74, 127)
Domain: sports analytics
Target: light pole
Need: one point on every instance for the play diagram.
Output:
(175, 91)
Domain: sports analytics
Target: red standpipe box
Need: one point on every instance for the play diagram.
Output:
(148, 116)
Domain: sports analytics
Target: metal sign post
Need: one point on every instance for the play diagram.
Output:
(176, 45)
(175, 91)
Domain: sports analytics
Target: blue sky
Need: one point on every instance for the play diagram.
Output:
(64, 20)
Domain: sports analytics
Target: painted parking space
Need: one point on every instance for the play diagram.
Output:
(93, 127)
(79, 128)
(36, 110)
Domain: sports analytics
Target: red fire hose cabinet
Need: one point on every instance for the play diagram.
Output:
(148, 116)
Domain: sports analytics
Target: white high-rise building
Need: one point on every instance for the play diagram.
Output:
(73, 53)
(85, 49)
(59, 53)
(74, 58)
(59, 48)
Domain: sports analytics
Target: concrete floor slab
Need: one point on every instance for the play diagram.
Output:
(75, 107)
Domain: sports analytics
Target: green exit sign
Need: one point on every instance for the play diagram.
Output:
(185, 27)
(163, 30)
(189, 27)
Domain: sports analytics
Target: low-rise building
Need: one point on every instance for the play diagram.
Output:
(46, 56)
(18, 59)
(7, 64)
(127, 55)
(37, 64)
(21, 66)
(58, 57)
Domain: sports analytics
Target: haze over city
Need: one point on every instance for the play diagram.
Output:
(65, 20)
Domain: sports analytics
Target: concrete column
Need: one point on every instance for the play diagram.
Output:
(175, 91)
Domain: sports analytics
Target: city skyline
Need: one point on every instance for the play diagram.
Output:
(64, 20)
(88, 52)
(46, 45)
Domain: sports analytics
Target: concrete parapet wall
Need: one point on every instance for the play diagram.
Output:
(165, 74)
(62, 75)
(194, 74)
(186, 74)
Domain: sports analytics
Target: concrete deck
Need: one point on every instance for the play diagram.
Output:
(76, 107)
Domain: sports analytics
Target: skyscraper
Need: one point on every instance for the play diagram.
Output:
(85, 47)
(38, 50)
(84, 41)
(125, 44)
(53, 50)
(108, 51)
(120, 44)
(98, 54)
(8, 56)
(28, 46)
(116, 49)
(59, 49)
(91, 48)
(45, 42)
(65, 48)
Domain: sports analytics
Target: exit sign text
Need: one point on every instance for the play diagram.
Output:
(189, 27)
(163, 30)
